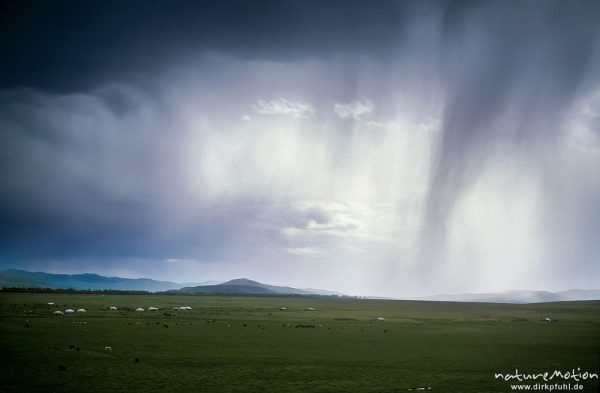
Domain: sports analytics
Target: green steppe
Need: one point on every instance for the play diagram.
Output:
(253, 346)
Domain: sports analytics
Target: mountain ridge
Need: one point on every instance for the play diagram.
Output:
(246, 286)
(92, 281)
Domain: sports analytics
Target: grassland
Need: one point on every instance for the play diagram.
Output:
(247, 344)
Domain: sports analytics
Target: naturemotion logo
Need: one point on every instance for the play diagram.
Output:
(569, 380)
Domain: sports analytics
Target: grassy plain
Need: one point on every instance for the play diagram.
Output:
(253, 346)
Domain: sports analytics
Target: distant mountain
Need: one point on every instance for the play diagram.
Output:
(24, 279)
(246, 286)
(519, 296)
(7, 280)
(87, 281)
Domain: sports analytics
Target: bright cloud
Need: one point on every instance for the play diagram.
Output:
(283, 106)
(354, 109)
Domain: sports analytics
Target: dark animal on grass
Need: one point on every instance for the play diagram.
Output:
(62, 367)
(137, 360)
(165, 325)
(71, 346)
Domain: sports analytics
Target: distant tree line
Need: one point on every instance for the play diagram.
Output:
(73, 291)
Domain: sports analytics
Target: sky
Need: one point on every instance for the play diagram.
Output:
(385, 148)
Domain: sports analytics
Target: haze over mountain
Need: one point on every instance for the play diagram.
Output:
(21, 278)
(520, 296)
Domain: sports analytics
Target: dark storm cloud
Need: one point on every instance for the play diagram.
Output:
(133, 231)
(86, 176)
(82, 179)
(66, 45)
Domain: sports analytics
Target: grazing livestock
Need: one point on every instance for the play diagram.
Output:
(380, 319)
(152, 308)
(107, 349)
(112, 308)
(310, 309)
(283, 309)
(185, 308)
(58, 313)
(81, 310)
(139, 309)
(69, 311)
(50, 304)
(546, 319)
